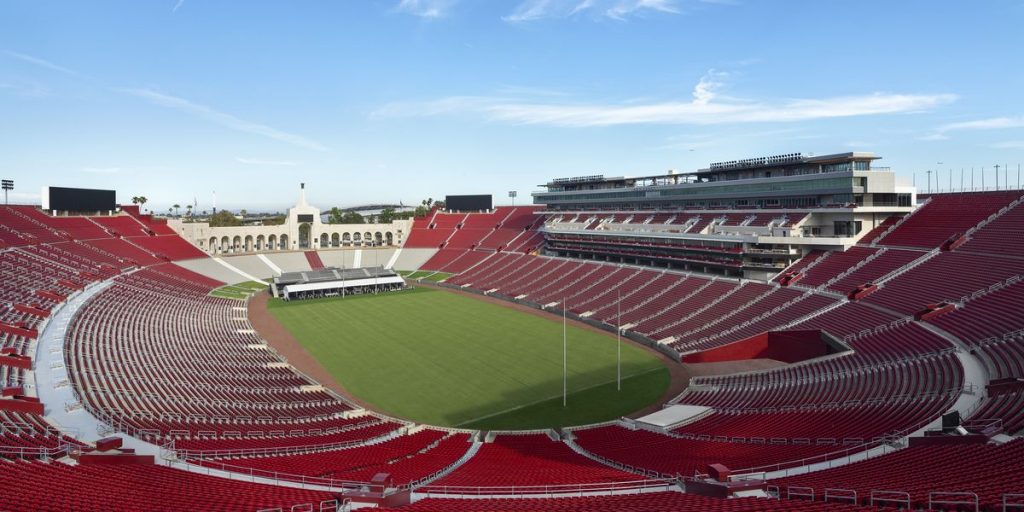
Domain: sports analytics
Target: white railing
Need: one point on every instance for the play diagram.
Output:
(546, 490)
(957, 499)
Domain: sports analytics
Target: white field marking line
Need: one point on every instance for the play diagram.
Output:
(394, 258)
(357, 258)
(510, 409)
(235, 269)
(275, 268)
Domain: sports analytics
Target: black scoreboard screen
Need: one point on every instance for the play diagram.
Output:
(79, 199)
(468, 203)
(306, 217)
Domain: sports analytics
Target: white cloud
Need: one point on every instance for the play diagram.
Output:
(39, 62)
(223, 119)
(1009, 144)
(532, 10)
(992, 123)
(23, 197)
(706, 108)
(706, 89)
(101, 170)
(260, 161)
(626, 8)
(177, 6)
(985, 124)
(29, 89)
(430, 9)
(859, 144)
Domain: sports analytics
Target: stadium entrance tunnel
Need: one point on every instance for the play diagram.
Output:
(785, 346)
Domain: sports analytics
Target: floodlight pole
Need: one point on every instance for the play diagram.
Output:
(565, 359)
(8, 185)
(997, 176)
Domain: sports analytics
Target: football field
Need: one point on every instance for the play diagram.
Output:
(442, 358)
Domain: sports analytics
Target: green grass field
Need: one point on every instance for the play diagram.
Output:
(238, 291)
(442, 358)
(428, 275)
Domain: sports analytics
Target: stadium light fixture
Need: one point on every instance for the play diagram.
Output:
(7, 186)
(512, 194)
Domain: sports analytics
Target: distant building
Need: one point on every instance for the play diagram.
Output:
(302, 229)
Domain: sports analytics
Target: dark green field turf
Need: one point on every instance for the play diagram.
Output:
(442, 358)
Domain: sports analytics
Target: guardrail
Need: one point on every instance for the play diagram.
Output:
(282, 450)
(540, 490)
(957, 499)
(36, 452)
(277, 476)
(325, 506)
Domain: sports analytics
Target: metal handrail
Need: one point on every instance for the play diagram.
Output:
(953, 498)
(516, 490)
(890, 497)
(849, 495)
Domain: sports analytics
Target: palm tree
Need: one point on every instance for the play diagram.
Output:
(176, 206)
(170, 211)
(188, 210)
(142, 200)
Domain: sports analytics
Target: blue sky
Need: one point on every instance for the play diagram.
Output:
(388, 100)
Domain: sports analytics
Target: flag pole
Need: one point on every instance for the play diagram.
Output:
(565, 359)
(618, 343)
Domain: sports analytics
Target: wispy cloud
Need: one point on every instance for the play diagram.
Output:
(533, 10)
(1009, 144)
(707, 107)
(24, 197)
(177, 6)
(261, 161)
(101, 170)
(992, 123)
(29, 89)
(626, 8)
(39, 62)
(221, 118)
(430, 9)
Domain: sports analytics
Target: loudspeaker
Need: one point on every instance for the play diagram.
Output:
(951, 420)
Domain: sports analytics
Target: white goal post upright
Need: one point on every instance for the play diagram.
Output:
(618, 343)
(565, 359)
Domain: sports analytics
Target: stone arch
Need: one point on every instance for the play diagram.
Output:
(213, 245)
(283, 241)
(271, 242)
(367, 237)
(346, 238)
(225, 244)
(389, 238)
(236, 243)
(378, 238)
(335, 240)
(323, 240)
(261, 242)
(248, 243)
(357, 238)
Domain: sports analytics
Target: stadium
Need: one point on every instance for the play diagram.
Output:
(789, 332)
(511, 255)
